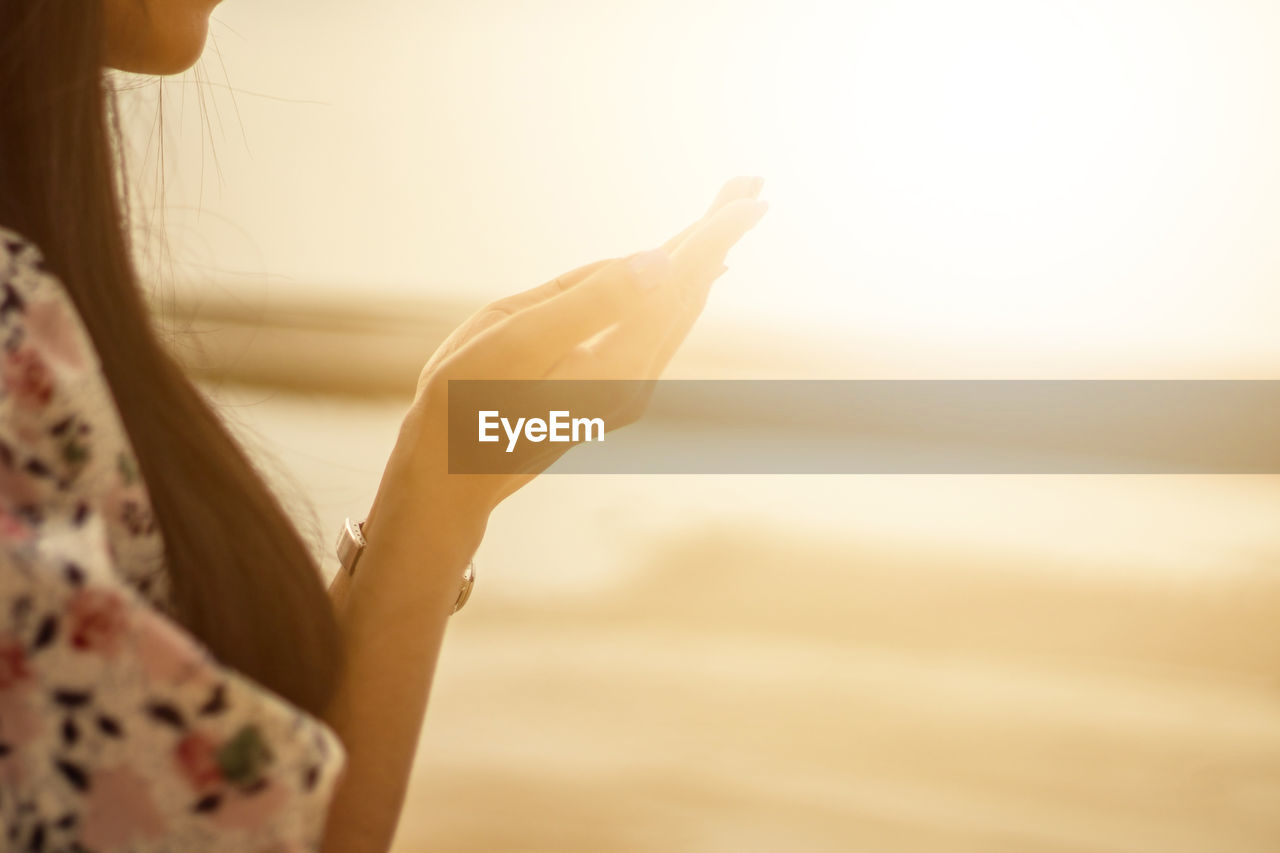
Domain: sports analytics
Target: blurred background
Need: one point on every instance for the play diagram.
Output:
(958, 189)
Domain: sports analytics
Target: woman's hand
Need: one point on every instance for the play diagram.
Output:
(619, 318)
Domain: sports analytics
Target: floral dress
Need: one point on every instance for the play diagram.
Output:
(118, 730)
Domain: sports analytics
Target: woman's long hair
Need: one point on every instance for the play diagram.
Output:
(241, 577)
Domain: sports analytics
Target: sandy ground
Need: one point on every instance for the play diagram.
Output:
(822, 664)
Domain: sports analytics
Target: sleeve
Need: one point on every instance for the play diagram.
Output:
(118, 730)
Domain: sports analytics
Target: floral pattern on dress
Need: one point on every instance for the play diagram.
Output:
(118, 730)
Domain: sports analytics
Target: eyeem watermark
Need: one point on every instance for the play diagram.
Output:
(558, 427)
(865, 427)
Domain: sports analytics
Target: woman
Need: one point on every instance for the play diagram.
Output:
(173, 674)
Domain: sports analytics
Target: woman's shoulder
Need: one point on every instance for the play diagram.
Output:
(63, 445)
(49, 372)
(38, 315)
(23, 272)
(119, 731)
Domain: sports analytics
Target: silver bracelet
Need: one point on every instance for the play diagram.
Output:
(351, 545)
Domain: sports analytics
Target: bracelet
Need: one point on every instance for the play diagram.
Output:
(351, 545)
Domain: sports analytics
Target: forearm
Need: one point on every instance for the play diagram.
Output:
(393, 613)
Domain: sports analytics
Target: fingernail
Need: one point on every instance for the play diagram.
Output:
(649, 267)
(757, 184)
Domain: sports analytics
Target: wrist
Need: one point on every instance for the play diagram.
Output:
(417, 545)
(416, 487)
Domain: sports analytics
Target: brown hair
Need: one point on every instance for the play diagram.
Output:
(242, 579)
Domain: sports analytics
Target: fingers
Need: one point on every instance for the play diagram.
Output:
(680, 327)
(703, 252)
(642, 344)
(740, 187)
(695, 290)
(528, 343)
(647, 295)
(559, 284)
(505, 307)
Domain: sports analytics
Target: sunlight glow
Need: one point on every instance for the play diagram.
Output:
(1024, 169)
(945, 178)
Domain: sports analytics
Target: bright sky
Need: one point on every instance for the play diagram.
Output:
(945, 177)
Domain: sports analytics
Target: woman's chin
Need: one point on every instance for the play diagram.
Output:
(161, 44)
